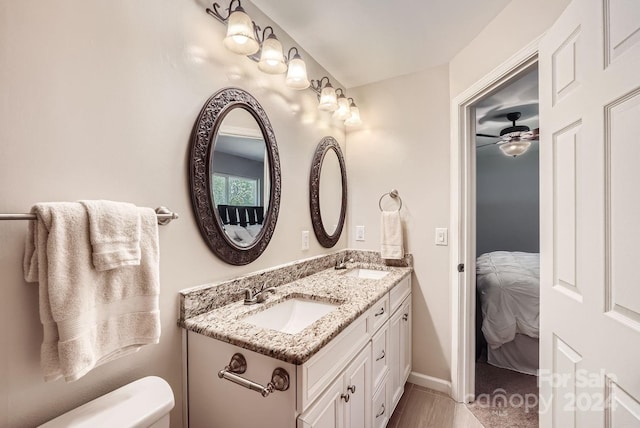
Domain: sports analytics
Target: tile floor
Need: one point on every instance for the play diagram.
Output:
(424, 408)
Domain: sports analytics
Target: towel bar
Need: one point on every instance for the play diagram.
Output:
(238, 365)
(394, 195)
(164, 216)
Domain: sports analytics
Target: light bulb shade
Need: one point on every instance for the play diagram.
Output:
(297, 74)
(343, 112)
(328, 99)
(515, 147)
(240, 38)
(354, 118)
(272, 58)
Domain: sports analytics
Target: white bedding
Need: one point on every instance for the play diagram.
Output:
(509, 287)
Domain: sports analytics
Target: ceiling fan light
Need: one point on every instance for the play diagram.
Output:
(240, 38)
(272, 58)
(343, 112)
(328, 99)
(515, 147)
(297, 74)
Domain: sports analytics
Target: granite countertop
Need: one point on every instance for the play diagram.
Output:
(352, 295)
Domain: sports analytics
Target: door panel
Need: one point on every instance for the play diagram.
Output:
(589, 63)
(622, 232)
(622, 29)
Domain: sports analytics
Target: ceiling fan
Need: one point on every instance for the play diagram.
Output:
(513, 140)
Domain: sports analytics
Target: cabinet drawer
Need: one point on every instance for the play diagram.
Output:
(378, 314)
(380, 356)
(399, 292)
(380, 408)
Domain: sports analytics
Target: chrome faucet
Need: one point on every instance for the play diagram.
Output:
(252, 297)
(342, 263)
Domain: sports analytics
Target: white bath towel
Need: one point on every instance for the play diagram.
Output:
(89, 317)
(391, 235)
(114, 232)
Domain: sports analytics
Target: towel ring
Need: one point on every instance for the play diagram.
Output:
(394, 195)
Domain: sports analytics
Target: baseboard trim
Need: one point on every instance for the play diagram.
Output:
(430, 382)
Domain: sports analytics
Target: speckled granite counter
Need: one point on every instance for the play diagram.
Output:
(352, 295)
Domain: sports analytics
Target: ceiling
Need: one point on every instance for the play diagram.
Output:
(365, 41)
(519, 95)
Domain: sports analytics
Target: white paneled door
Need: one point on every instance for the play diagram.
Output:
(590, 216)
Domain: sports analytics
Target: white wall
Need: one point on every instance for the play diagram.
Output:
(404, 145)
(97, 100)
(516, 26)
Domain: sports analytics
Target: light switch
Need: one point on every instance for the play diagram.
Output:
(359, 233)
(305, 239)
(442, 236)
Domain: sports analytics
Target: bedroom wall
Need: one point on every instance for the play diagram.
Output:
(97, 100)
(507, 201)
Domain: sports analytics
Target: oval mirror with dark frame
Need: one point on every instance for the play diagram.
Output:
(234, 176)
(328, 192)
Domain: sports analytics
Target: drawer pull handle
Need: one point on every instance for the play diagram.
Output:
(382, 355)
(381, 412)
(405, 317)
(345, 397)
(351, 389)
(238, 365)
(380, 312)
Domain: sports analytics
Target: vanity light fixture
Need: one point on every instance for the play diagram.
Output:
(241, 31)
(328, 98)
(343, 112)
(243, 38)
(354, 118)
(271, 57)
(297, 73)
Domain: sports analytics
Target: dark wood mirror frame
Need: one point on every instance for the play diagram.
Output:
(326, 144)
(202, 145)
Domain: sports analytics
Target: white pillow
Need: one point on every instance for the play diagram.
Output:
(238, 233)
(254, 229)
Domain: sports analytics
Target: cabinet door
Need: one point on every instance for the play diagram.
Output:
(405, 341)
(395, 333)
(328, 411)
(357, 387)
(399, 350)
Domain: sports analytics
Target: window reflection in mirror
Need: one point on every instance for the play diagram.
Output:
(330, 191)
(239, 178)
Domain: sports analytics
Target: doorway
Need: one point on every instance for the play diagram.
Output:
(507, 242)
(463, 217)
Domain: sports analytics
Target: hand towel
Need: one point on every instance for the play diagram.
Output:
(391, 235)
(114, 232)
(89, 317)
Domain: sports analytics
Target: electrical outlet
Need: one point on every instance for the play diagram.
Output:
(442, 236)
(359, 233)
(305, 239)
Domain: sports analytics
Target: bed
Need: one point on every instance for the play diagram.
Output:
(241, 223)
(508, 286)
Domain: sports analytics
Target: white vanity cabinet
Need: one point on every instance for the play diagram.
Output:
(354, 381)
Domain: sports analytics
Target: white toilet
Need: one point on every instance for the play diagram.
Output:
(145, 403)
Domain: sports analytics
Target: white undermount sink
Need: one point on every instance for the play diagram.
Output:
(291, 316)
(367, 273)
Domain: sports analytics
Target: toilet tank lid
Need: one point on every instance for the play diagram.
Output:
(138, 404)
